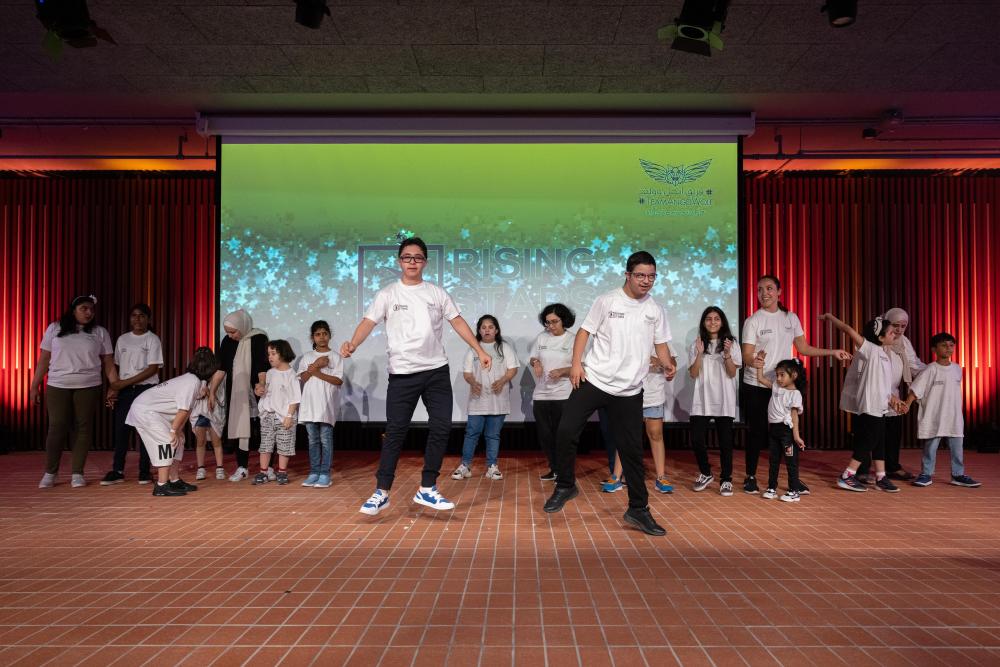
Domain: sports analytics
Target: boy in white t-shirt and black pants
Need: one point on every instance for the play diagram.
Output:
(624, 323)
(938, 388)
(414, 313)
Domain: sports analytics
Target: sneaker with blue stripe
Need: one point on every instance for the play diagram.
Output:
(430, 497)
(378, 502)
(611, 484)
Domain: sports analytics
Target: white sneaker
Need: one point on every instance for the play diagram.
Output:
(790, 497)
(200, 474)
(462, 472)
(493, 472)
(220, 472)
(48, 481)
(271, 475)
(770, 494)
(78, 481)
(433, 499)
(702, 482)
(240, 474)
(378, 502)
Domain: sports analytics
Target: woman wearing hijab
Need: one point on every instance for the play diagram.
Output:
(906, 365)
(242, 354)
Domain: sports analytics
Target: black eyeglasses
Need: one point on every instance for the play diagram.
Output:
(643, 277)
(412, 259)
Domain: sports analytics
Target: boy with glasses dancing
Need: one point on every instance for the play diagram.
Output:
(414, 312)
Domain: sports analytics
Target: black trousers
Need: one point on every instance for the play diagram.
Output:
(122, 431)
(624, 418)
(547, 416)
(869, 437)
(699, 442)
(893, 442)
(434, 387)
(755, 400)
(243, 457)
(781, 446)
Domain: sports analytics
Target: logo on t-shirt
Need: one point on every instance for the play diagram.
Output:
(764, 332)
(650, 319)
(400, 306)
(613, 315)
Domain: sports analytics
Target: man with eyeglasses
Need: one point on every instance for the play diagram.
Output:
(414, 312)
(625, 324)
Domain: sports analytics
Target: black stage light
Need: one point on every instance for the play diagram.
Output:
(841, 13)
(698, 27)
(310, 13)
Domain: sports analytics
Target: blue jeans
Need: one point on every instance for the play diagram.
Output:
(320, 447)
(475, 427)
(930, 452)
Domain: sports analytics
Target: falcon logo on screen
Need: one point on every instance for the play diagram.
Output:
(675, 174)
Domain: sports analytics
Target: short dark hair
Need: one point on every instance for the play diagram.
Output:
(283, 348)
(319, 325)
(942, 337)
(636, 258)
(413, 240)
(875, 330)
(567, 316)
(203, 363)
(145, 310)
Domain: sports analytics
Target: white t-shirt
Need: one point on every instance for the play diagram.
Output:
(414, 318)
(783, 401)
(554, 352)
(714, 391)
(217, 415)
(939, 389)
(155, 408)
(488, 403)
(134, 354)
(320, 398)
(654, 385)
(622, 332)
(775, 333)
(852, 381)
(283, 390)
(76, 358)
(868, 383)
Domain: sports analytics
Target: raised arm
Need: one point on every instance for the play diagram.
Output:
(840, 324)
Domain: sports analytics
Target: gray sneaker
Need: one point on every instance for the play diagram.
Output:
(726, 489)
(702, 482)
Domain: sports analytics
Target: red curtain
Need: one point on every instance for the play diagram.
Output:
(122, 236)
(858, 244)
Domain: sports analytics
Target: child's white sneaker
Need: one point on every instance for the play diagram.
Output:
(48, 481)
(240, 475)
(200, 474)
(462, 472)
(770, 494)
(78, 481)
(220, 472)
(790, 497)
(493, 472)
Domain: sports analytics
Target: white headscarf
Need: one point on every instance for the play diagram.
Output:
(902, 346)
(239, 401)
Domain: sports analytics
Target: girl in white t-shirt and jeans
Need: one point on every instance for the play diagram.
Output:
(74, 352)
(715, 360)
(783, 437)
(768, 336)
(489, 397)
(321, 371)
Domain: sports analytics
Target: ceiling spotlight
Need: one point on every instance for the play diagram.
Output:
(310, 13)
(841, 13)
(698, 27)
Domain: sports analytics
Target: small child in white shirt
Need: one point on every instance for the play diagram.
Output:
(783, 425)
(280, 395)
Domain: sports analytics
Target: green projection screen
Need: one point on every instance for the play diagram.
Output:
(309, 231)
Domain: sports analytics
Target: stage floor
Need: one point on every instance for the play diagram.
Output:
(236, 574)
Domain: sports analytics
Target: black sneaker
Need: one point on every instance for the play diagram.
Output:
(862, 479)
(750, 485)
(167, 490)
(113, 477)
(548, 477)
(885, 485)
(145, 478)
(282, 478)
(803, 489)
(181, 485)
(560, 497)
(644, 521)
(260, 478)
(901, 475)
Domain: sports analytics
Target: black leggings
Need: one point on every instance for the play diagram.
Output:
(780, 446)
(755, 400)
(869, 437)
(699, 438)
(893, 440)
(547, 416)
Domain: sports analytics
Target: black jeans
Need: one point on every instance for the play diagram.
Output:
(869, 437)
(893, 441)
(755, 400)
(122, 431)
(434, 387)
(781, 445)
(699, 442)
(624, 418)
(547, 416)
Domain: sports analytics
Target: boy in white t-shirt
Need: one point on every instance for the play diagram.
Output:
(938, 388)
(623, 324)
(414, 312)
(158, 414)
(280, 396)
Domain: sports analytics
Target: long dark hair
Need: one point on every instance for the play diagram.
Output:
(724, 332)
(777, 284)
(67, 321)
(499, 339)
(794, 366)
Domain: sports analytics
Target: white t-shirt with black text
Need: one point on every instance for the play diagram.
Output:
(488, 403)
(775, 334)
(319, 397)
(939, 390)
(414, 317)
(76, 358)
(714, 391)
(134, 354)
(554, 352)
(622, 332)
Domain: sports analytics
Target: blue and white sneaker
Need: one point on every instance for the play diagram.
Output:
(378, 502)
(611, 484)
(663, 486)
(323, 482)
(311, 479)
(433, 499)
(923, 480)
(964, 480)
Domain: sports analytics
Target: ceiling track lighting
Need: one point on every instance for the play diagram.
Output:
(699, 27)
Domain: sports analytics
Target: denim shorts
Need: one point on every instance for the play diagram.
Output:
(202, 422)
(655, 412)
